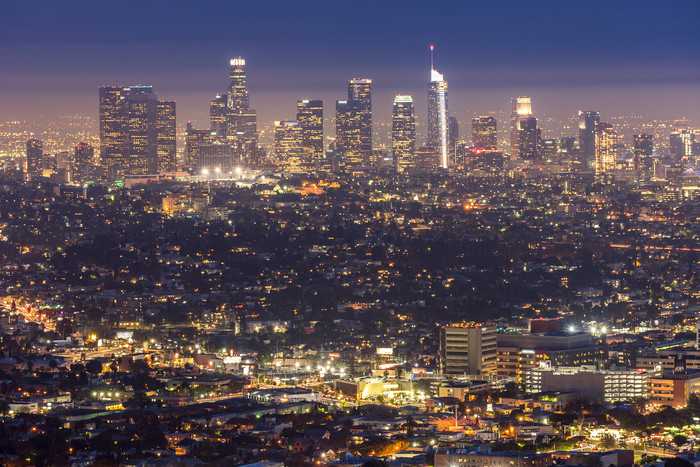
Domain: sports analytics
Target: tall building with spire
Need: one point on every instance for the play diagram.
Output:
(241, 120)
(520, 107)
(437, 114)
(403, 133)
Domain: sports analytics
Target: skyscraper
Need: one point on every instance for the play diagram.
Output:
(84, 159)
(354, 124)
(166, 136)
(217, 114)
(681, 144)
(452, 138)
(529, 138)
(644, 154)
(520, 107)
(403, 133)
(131, 122)
(587, 121)
(468, 350)
(437, 113)
(484, 133)
(35, 150)
(605, 150)
(194, 140)
(289, 147)
(310, 118)
(241, 121)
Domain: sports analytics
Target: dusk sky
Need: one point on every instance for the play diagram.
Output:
(614, 56)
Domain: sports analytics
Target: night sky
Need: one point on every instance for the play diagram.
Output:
(616, 56)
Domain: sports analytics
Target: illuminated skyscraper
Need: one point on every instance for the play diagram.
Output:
(167, 134)
(587, 121)
(289, 147)
(452, 138)
(113, 131)
(403, 133)
(520, 107)
(484, 133)
(130, 127)
(529, 138)
(217, 114)
(437, 114)
(644, 154)
(194, 140)
(354, 124)
(681, 144)
(241, 121)
(605, 150)
(84, 158)
(310, 118)
(35, 150)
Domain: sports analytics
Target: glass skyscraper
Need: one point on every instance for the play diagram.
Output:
(403, 133)
(437, 114)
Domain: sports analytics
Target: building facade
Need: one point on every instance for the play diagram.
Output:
(403, 133)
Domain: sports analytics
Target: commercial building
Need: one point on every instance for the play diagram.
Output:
(520, 107)
(605, 150)
(484, 133)
(353, 125)
(674, 389)
(456, 457)
(606, 385)
(84, 158)
(194, 139)
(35, 152)
(403, 133)
(437, 114)
(528, 138)
(310, 119)
(587, 122)
(289, 147)
(467, 350)
(644, 154)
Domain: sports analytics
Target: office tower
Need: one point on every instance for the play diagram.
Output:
(130, 127)
(587, 121)
(520, 107)
(84, 157)
(549, 151)
(213, 156)
(113, 131)
(194, 139)
(452, 138)
(141, 107)
(529, 138)
(241, 121)
(217, 115)
(35, 158)
(310, 118)
(484, 133)
(468, 350)
(289, 147)
(681, 144)
(644, 154)
(437, 113)
(567, 150)
(354, 124)
(605, 150)
(403, 133)
(166, 136)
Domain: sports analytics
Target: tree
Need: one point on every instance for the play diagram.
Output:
(94, 367)
(680, 440)
(607, 441)
(677, 462)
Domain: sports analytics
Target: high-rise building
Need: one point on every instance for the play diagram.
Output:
(354, 124)
(241, 121)
(520, 107)
(437, 114)
(605, 150)
(587, 121)
(468, 350)
(484, 133)
(452, 138)
(84, 158)
(133, 125)
(217, 114)
(403, 133)
(549, 150)
(644, 154)
(681, 144)
(167, 135)
(194, 140)
(529, 138)
(310, 118)
(289, 147)
(35, 152)
(113, 130)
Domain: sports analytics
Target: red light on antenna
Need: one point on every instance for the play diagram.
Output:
(432, 47)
